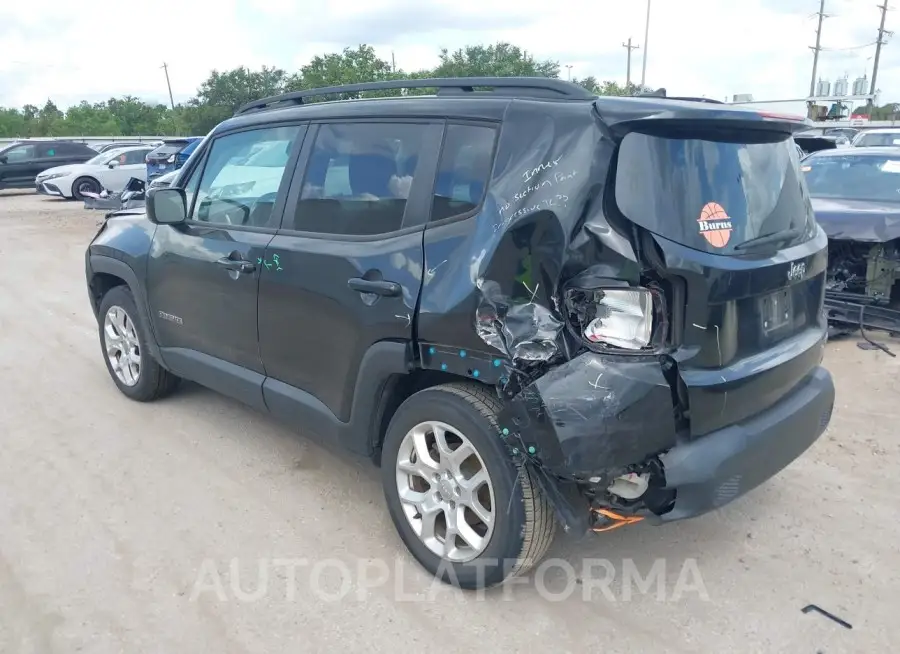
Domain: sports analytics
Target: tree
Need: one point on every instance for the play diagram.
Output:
(352, 66)
(223, 92)
(498, 60)
(233, 88)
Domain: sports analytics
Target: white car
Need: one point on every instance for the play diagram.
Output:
(882, 137)
(109, 170)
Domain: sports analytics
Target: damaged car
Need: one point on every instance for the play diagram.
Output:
(856, 198)
(538, 310)
(109, 171)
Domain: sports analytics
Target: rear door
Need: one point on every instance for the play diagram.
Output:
(203, 276)
(730, 212)
(345, 270)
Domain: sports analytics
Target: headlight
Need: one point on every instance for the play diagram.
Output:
(44, 178)
(624, 318)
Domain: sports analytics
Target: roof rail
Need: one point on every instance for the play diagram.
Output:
(533, 87)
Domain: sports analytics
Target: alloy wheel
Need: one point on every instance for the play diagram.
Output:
(445, 491)
(122, 347)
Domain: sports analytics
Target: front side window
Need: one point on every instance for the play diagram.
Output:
(20, 153)
(358, 178)
(237, 186)
(135, 157)
(464, 170)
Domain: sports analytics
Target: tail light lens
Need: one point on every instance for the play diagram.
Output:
(171, 159)
(624, 318)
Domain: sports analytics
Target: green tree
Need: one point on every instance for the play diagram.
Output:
(352, 66)
(497, 60)
(233, 88)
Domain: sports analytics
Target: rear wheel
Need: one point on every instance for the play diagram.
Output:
(84, 185)
(467, 511)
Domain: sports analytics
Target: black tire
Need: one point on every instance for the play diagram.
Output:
(85, 184)
(521, 535)
(153, 381)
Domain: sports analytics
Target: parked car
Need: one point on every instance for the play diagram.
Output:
(168, 156)
(108, 170)
(163, 180)
(448, 285)
(21, 162)
(856, 196)
(115, 145)
(881, 137)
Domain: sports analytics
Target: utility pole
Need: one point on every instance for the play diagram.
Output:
(569, 72)
(817, 48)
(165, 67)
(646, 43)
(881, 33)
(629, 47)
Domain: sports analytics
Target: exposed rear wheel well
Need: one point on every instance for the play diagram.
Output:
(101, 284)
(398, 388)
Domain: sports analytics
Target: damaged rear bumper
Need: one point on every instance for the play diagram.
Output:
(715, 469)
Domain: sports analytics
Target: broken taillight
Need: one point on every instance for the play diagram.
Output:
(624, 318)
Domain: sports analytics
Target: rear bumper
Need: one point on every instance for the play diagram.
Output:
(715, 469)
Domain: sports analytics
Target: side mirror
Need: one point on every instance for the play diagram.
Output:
(166, 206)
(113, 164)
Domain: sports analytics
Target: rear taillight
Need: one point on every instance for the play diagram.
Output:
(171, 159)
(624, 319)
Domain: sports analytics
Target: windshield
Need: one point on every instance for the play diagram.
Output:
(104, 157)
(875, 139)
(854, 177)
(712, 195)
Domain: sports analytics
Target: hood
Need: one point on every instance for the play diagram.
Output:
(68, 169)
(858, 220)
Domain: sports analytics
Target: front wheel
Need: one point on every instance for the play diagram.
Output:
(84, 185)
(469, 513)
(124, 344)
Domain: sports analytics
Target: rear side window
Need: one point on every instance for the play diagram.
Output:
(464, 170)
(712, 195)
(358, 178)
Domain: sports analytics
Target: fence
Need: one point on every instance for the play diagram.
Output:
(91, 140)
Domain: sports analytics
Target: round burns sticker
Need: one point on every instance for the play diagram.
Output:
(715, 224)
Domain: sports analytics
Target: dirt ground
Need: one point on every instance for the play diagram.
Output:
(197, 525)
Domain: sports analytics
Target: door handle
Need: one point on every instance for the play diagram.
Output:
(238, 265)
(378, 287)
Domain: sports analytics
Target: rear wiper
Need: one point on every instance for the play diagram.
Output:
(768, 239)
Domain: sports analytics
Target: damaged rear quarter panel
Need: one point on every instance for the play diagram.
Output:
(595, 413)
(492, 291)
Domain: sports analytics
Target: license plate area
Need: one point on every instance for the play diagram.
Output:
(776, 311)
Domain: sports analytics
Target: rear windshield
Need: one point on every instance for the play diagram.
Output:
(168, 149)
(712, 195)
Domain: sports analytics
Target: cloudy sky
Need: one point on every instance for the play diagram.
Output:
(91, 50)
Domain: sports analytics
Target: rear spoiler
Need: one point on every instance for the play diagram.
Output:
(646, 112)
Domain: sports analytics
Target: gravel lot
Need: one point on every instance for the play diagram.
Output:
(118, 520)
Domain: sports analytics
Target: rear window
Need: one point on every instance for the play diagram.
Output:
(712, 195)
(168, 149)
